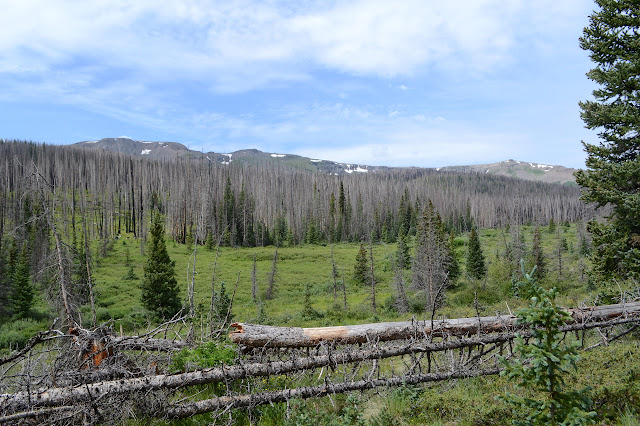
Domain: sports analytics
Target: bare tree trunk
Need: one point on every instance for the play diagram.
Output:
(60, 257)
(372, 278)
(212, 307)
(192, 284)
(87, 263)
(252, 400)
(401, 298)
(272, 277)
(254, 280)
(254, 335)
(334, 276)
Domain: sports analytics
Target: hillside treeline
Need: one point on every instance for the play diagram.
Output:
(259, 204)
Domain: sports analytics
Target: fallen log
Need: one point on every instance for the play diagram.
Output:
(253, 400)
(11, 403)
(266, 336)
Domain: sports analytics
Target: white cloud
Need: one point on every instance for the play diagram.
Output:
(131, 61)
(259, 43)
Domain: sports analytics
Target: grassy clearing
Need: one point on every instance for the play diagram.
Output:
(300, 266)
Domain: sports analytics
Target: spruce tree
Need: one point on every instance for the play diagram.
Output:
(403, 258)
(538, 255)
(160, 292)
(22, 294)
(361, 267)
(476, 267)
(613, 166)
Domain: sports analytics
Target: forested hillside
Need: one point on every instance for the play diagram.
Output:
(261, 204)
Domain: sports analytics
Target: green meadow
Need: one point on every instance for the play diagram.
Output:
(308, 268)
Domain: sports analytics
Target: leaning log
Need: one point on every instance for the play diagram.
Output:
(265, 336)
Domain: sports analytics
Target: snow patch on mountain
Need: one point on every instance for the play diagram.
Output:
(228, 160)
(278, 155)
(350, 168)
(145, 152)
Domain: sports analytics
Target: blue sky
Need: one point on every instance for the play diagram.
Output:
(397, 83)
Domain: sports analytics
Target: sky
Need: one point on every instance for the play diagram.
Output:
(397, 83)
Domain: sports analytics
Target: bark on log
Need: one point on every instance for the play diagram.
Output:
(265, 336)
(252, 400)
(73, 394)
(31, 414)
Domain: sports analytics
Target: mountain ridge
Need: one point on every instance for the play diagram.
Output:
(172, 150)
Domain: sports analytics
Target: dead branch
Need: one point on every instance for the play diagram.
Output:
(34, 413)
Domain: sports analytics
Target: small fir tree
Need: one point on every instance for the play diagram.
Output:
(403, 257)
(131, 275)
(22, 294)
(361, 267)
(544, 361)
(476, 267)
(552, 226)
(538, 255)
(223, 307)
(160, 292)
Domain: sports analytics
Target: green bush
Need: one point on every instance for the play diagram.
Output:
(207, 355)
(17, 333)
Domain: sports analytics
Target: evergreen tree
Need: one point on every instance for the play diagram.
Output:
(361, 268)
(160, 292)
(131, 275)
(552, 226)
(403, 257)
(538, 255)
(476, 267)
(223, 307)
(543, 363)
(22, 294)
(613, 166)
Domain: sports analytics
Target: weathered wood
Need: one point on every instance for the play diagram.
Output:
(74, 394)
(63, 395)
(252, 400)
(12, 418)
(259, 336)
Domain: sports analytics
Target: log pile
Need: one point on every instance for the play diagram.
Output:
(414, 351)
